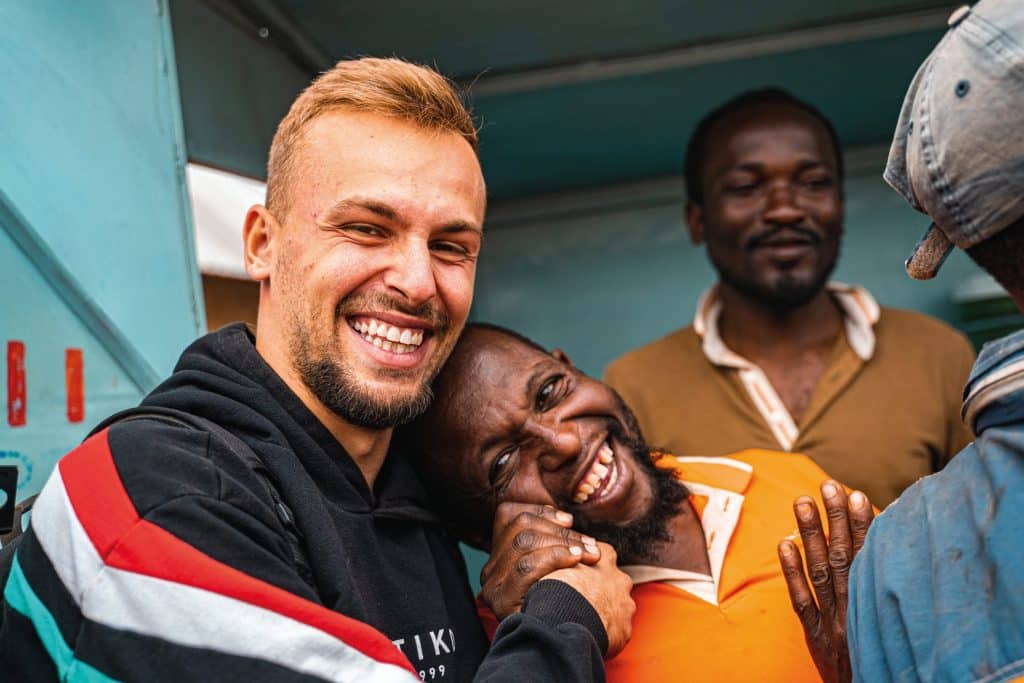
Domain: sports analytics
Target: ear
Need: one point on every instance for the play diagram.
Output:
(695, 222)
(562, 357)
(259, 236)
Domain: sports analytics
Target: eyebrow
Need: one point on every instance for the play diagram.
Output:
(388, 212)
(752, 167)
(372, 205)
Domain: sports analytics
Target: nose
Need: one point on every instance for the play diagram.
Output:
(411, 272)
(782, 206)
(557, 442)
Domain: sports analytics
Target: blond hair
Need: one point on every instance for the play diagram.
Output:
(390, 87)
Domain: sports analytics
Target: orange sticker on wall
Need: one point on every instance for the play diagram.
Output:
(74, 381)
(16, 383)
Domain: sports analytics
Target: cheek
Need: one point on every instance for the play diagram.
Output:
(527, 488)
(455, 288)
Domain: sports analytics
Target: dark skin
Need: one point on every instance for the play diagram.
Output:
(772, 216)
(821, 606)
(538, 425)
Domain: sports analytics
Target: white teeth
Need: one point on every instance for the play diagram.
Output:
(386, 346)
(402, 340)
(599, 471)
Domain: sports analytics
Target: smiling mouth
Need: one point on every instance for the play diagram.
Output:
(383, 335)
(600, 477)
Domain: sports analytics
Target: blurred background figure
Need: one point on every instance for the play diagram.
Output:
(778, 356)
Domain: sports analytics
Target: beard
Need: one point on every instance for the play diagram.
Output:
(636, 542)
(335, 384)
(790, 290)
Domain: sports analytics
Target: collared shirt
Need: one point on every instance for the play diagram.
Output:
(860, 313)
(736, 624)
(885, 412)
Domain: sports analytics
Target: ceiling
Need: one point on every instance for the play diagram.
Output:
(570, 94)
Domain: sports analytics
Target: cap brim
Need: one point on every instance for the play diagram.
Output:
(927, 257)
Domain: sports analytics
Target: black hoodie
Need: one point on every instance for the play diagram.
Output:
(155, 554)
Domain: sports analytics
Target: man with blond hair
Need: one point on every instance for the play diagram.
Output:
(251, 520)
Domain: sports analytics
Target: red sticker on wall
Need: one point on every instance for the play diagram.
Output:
(16, 383)
(74, 381)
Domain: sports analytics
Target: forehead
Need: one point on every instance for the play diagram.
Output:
(778, 129)
(412, 169)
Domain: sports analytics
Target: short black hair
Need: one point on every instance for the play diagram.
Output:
(697, 148)
(491, 327)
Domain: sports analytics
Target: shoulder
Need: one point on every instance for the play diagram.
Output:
(913, 326)
(675, 345)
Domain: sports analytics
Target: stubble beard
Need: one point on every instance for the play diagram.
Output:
(638, 541)
(334, 383)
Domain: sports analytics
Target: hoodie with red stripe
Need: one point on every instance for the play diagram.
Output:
(155, 554)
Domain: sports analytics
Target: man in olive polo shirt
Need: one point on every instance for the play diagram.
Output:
(777, 356)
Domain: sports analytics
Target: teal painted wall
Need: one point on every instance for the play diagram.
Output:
(96, 245)
(598, 283)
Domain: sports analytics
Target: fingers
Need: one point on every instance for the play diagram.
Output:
(607, 589)
(818, 569)
(840, 543)
(861, 516)
(799, 592)
(529, 542)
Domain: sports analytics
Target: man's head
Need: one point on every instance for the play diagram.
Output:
(366, 250)
(958, 151)
(764, 184)
(512, 422)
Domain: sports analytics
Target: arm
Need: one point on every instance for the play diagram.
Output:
(562, 601)
(828, 566)
(187, 579)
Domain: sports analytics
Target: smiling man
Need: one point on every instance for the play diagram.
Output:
(777, 356)
(253, 522)
(697, 535)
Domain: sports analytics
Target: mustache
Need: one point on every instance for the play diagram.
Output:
(428, 312)
(773, 230)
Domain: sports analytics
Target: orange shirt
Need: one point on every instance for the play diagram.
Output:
(736, 625)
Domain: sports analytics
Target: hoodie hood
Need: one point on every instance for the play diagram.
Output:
(223, 378)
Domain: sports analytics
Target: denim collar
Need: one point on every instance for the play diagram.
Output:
(995, 391)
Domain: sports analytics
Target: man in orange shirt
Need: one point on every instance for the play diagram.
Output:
(514, 424)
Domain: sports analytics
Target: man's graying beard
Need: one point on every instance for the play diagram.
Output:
(334, 384)
(637, 542)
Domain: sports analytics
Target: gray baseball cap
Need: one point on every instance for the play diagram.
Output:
(958, 151)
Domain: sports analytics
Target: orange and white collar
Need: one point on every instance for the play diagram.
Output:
(718, 485)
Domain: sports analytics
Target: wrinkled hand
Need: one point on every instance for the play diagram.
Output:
(529, 542)
(828, 565)
(607, 589)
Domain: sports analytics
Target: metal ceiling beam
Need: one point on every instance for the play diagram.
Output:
(707, 53)
(264, 20)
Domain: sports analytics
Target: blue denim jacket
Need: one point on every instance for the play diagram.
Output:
(937, 593)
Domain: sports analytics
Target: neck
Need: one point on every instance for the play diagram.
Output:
(367, 447)
(751, 329)
(687, 549)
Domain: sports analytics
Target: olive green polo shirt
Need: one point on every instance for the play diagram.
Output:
(886, 410)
